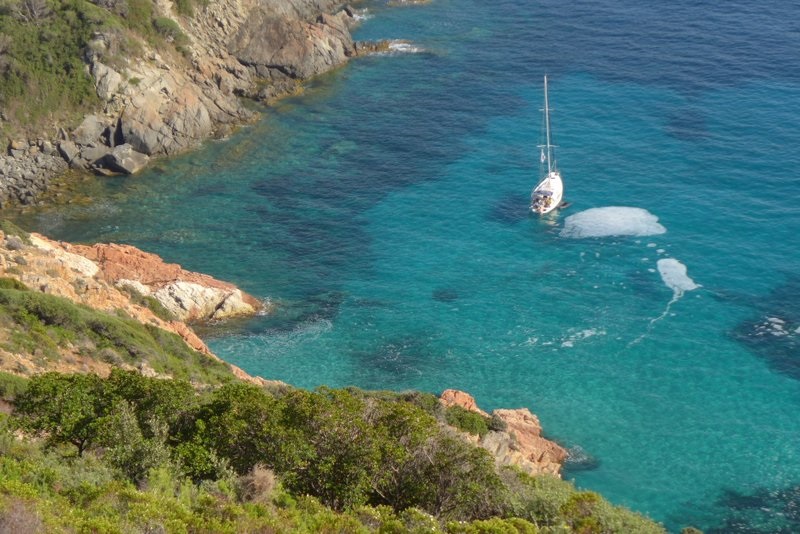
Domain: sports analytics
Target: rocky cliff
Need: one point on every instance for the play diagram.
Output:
(165, 101)
(114, 278)
(521, 443)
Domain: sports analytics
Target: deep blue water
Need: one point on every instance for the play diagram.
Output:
(385, 211)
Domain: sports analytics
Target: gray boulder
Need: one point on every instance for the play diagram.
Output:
(89, 131)
(91, 154)
(125, 159)
(68, 150)
(166, 121)
(107, 80)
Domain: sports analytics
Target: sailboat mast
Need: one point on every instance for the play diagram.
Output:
(547, 126)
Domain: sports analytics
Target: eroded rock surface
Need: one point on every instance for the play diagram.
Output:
(87, 275)
(190, 296)
(521, 444)
(164, 102)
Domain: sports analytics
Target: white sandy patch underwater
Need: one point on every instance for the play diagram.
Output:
(612, 221)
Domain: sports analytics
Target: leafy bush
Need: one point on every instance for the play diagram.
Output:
(12, 283)
(329, 460)
(11, 385)
(497, 424)
(170, 30)
(467, 421)
(44, 72)
(62, 408)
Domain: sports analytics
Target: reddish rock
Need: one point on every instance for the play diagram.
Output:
(531, 451)
(188, 295)
(454, 397)
(521, 444)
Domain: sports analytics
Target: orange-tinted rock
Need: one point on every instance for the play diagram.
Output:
(58, 269)
(521, 444)
(454, 397)
(530, 450)
(188, 295)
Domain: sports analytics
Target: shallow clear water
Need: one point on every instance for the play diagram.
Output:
(386, 212)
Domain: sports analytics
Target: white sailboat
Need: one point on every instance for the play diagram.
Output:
(546, 196)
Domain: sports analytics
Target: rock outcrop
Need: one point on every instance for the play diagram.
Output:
(521, 444)
(88, 276)
(454, 397)
(188, 295)
(168, 101)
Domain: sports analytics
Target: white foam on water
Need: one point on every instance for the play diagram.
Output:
(361, 15)
(611, 221)
(673, 274)
(404, 47)
(775, 326)
(266, 307)
(581, 335)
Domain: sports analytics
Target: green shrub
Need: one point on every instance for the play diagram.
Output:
(11, 385)
(467, 421)
(494, 525)
(170, 30)
(184, 7)
(497, 424)
(44, 77)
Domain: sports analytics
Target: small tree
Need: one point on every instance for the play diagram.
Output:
(63, 408)
(166, 401)
(241, 424)
(127, 447)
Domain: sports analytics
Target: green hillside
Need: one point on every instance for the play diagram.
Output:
(136, 454)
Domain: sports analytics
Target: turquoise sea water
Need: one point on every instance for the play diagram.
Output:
(385, 211)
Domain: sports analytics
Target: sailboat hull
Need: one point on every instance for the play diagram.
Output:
(546, 196)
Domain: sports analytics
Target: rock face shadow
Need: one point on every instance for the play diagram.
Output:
(579, 460)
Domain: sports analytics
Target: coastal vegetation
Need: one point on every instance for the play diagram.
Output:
(47, 328)
(131, 453)
(146, 434)
(44, 81)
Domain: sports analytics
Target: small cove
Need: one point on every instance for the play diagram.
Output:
(385, 211)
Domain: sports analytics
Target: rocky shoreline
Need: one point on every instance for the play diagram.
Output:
(114, 278)
(163, 103)
(520, 444)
